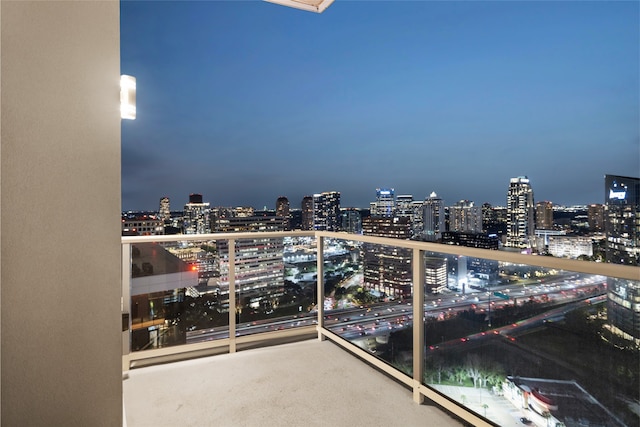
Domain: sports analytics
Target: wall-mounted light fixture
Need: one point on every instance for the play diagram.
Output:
(127, 97)
(317, 6)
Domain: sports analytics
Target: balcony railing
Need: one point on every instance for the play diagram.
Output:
(502, 337)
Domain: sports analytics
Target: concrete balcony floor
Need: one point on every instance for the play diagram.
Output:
(307, 383)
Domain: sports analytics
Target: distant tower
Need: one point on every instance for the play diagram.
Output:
(326, 211)
(387, 269)
(282, 210)
(520, 213)
(196, 216)
(622, 219)
(595, 216)
(622, 228)
(351, 221)
(544, 216)
(385, 204)
(465, 217)
(433, 216)
(307, 213)
(404, 205)
(164, 212)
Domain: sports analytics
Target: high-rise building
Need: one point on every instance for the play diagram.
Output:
(283, 211)
(387, 269)
(164, 213)
(465, 217)
(196, 216)
(351, 221)
(595, 217)
(622, 229)
(435, 270)
(520, 213)
(385, 204)
(433, 217)
(259, 264)
(326, 211)
(622, 219)
(307, 213)
(544, 215)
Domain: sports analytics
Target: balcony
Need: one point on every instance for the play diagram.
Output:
(505, 338)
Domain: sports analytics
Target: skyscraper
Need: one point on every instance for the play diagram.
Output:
(387, 269)
(433, 217)
(351, 221)
(326, 211)
(595, 216)
(622, 219)
(385, 203)
(520, 213)
(283, 210)
(307, 213)
(259, 265)
(544, 215)
(622, 228)
(164, 213)
(465, 217)
(196, 216)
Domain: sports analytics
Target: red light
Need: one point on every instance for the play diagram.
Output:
(194, 268)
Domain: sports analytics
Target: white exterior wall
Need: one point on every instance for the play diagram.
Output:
(60, 286)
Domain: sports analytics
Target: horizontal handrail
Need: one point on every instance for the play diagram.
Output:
(587, 267)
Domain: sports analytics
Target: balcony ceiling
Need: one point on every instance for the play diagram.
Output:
(311, 5)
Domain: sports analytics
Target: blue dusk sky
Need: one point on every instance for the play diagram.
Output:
(245, 101)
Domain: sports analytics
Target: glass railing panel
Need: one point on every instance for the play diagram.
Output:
(521, 344)
(368, 293)
(176, 297)
(275, 281)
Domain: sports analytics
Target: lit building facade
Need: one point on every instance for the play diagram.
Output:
(622, 228)
(326, 211)
(387, 269)
(595, 217)
(570, 246)
(433, 217)
(435, 271)
(259, 264)
(465, 217)
(283, 211)
(351, 221)
(307, 213)
(385, 204)
(164, 212)
(196, 216)
(622, 219)
(544, 215)
(520, 213)
(145, 225)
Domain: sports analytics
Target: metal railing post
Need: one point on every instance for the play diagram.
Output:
(418, 323)
(232, 296)
(320, 284)
(125, 305)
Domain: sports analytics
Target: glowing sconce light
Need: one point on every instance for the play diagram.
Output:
(311, 5)
(128, 97)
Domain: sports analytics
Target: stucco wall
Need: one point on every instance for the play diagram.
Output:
(60, 214)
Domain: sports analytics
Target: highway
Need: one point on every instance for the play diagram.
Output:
(383, 318)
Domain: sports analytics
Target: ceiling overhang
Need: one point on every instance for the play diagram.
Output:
(317, 6)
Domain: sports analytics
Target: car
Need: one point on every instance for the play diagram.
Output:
(526, 421)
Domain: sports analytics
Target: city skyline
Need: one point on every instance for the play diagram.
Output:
(244, 102)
